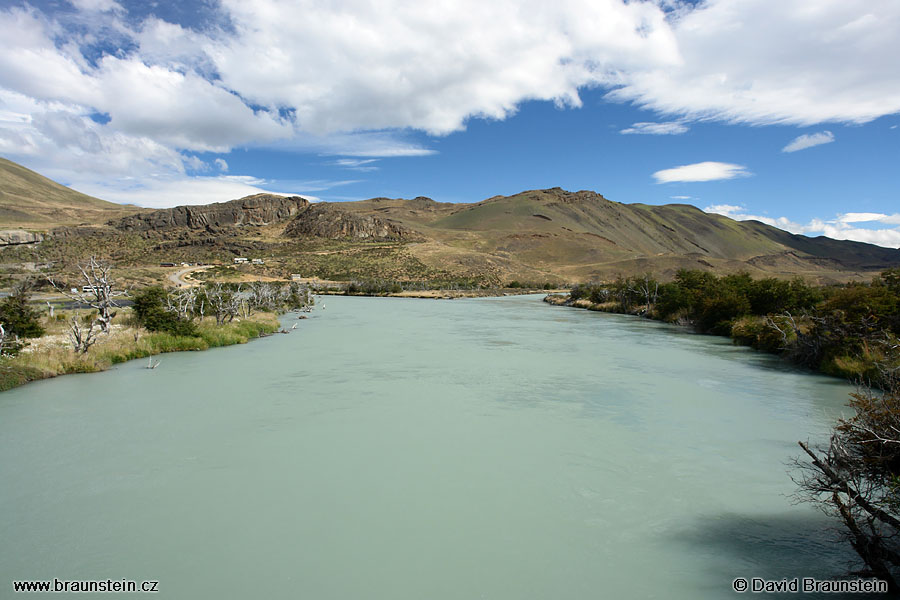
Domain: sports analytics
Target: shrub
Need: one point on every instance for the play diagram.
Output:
(18, 317)
(151, 312)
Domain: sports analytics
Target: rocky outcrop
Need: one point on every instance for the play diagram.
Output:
(260, 209)
(15, 237)
(328, 221)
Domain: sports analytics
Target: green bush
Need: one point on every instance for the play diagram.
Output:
(150, 310)
(18, 317)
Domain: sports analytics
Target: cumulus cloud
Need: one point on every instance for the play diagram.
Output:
(221, 164)
(704, 171)
(841, 227)
(822, 61)
(349, 78)
(668, 128)
(808, 141)
(161, 192)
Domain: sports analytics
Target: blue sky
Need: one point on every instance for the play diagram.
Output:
(785, 111)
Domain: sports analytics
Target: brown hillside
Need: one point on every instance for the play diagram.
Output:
(536, 236)
(31, 201)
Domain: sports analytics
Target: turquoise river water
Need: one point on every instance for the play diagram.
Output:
(400, 449)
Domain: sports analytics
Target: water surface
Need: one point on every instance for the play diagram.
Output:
(392, 448)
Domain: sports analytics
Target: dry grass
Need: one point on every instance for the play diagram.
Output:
(52, 355)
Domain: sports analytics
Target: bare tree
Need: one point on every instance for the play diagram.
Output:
(646, 288)
(263, 296)
(182, 302)
(83, 335)
(856, 478)
(9, 342)
(98, 291)
(224, 303)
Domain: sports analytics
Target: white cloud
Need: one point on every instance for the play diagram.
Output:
(724, 209)
(808, 141)
(96, 5)
(363, 165)
(352, 78)
(221, 164)
(840, 227)
(680, 197)
(668, 128)
(164, 192)
(704, 171)
(821, 61)
(854, 217)
(354, 65)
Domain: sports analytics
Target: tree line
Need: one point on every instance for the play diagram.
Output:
(845, 330)
(155, 308)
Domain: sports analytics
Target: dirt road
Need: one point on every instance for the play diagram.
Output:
(179, 278)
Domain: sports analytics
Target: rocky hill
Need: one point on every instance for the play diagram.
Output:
(326, 220)
(549, 235)
(259, 209)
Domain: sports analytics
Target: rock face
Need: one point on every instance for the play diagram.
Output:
(14, 237)
(328, 221)
(260, 209)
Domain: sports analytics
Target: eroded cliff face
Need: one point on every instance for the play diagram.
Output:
(328, 221)
(15, 237)
(260, 209)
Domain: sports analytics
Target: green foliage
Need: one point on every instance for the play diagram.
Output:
(839, 330)
(717, 311)
(150, 308)
(18, 317)
(713, 303)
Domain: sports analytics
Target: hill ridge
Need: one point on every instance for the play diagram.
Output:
(33, 201)
(548, 234)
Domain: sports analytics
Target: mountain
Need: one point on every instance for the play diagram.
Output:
(549, 235)
(31, 201)
(583, 236)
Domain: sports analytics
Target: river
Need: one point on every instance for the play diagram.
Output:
(408, 449)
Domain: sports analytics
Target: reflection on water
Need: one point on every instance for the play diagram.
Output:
(390, 448)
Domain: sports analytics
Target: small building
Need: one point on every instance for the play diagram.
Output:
(240, 260)
(258, 261)
(167, 264)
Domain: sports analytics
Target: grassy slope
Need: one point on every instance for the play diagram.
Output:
(29, 200)
(553, 234)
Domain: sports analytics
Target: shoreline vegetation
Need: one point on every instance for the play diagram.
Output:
(434, 289)
(45, 359)
(850, 331)
(94, 331)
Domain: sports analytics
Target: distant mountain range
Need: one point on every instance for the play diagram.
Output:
(538, 235)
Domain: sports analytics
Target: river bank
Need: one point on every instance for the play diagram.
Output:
(447, 294)
(822, 341)
(52, 355)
